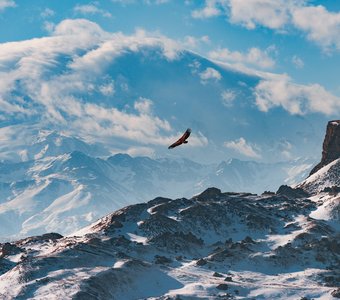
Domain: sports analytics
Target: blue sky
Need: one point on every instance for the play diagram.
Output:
(292, 47)
(306, 59)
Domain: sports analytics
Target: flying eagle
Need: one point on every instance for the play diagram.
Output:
(181, 140)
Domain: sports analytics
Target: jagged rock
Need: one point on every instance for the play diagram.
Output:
(176, 241)
(157, 201)
(222, 286)
(40, 238)
(209, 194)
(248, 240)
(201, 262)
(292, 192)
(268, 193)
(331, 145)
(336, 293)
(216, 274)
(162, 260)
(228, 278)
(9, 249)
(158, 224)
(334, 190)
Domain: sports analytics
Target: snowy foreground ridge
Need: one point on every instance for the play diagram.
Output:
(212, 246)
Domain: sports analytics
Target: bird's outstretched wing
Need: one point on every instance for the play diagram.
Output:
(181, 140)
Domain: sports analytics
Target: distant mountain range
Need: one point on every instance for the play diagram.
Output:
(61, 185)
(211, 245)
(214, 245)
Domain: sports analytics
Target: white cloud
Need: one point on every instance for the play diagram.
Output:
(228, 98)
(79, 27)
(298, 62)
(55, 91)
(108, 89)
(191, 42)
(321, 26)
(210, 74)
(91, 9)
(296, 99)
(6, 4)
(46, 13)
(141, 151)
(243, 147)
(143, 106)
(28, 66)
(254, 56)
(269, 13)
(209, 10)
(273, 14)
(49, 26)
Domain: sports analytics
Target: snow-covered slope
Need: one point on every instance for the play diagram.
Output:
(212, 246)
(325, 178)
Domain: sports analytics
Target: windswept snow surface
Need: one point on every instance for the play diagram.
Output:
(212, 246)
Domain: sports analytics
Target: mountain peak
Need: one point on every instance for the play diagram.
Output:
(331, 145)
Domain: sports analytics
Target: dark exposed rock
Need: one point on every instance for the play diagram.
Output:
(222, 286)
(331, 145)
(157, 201)
(9, 249)
(331, 280)
(268, 193)
(228, 278)
(209, 194)
(120, 241)
(216, 274)
(161, 260)
(40, 238)
(290, 192)
(248, 240)
(158, 224)
(336, 293)
(201, 262)
(176, 241)
(334, 190)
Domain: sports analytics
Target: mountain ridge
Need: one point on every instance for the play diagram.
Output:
(213, 245)
(36, 190)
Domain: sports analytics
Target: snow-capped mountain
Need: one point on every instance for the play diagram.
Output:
(230, 245)
(60, 186)
(211, 246)
(135, 94)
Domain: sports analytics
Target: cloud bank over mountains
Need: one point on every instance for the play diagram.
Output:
(78, 79)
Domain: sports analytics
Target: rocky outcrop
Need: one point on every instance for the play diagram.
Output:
(291, 192)
(331, 145)
(215, 245)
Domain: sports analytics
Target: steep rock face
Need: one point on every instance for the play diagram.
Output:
(331, 145)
